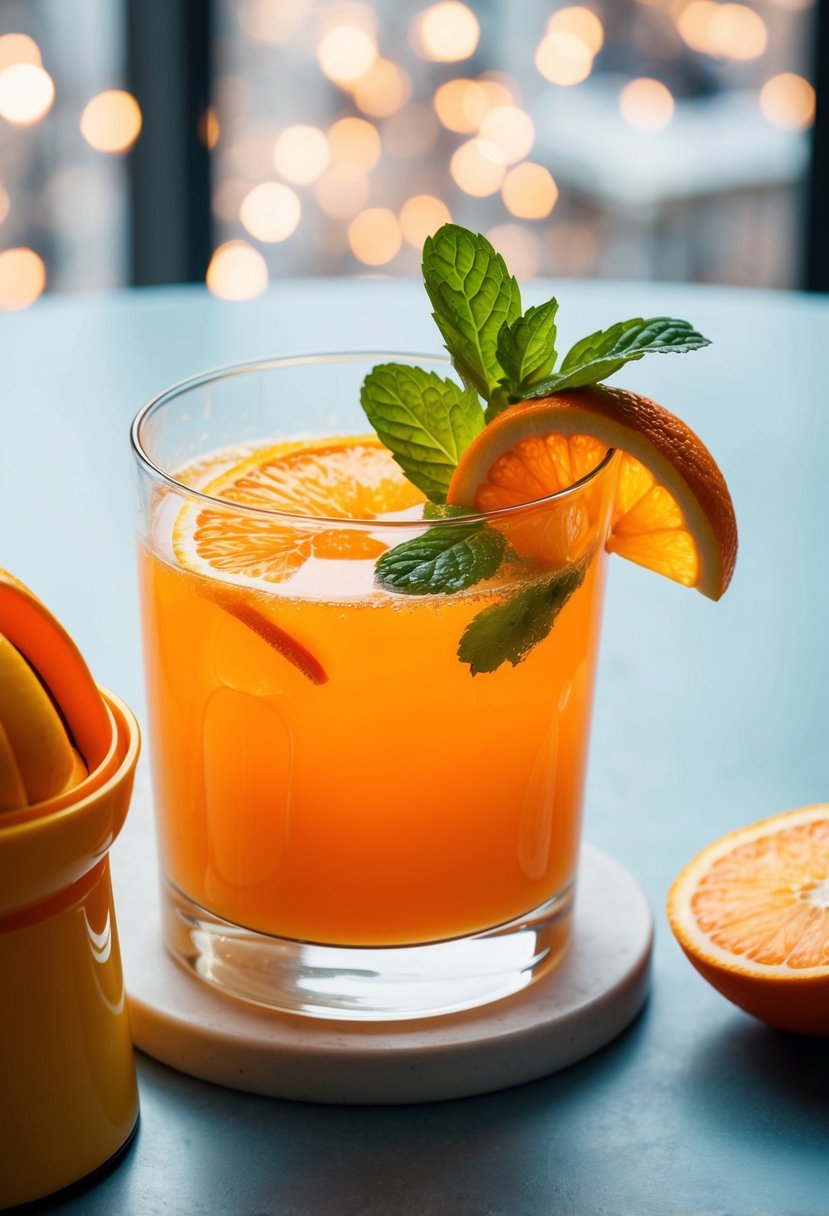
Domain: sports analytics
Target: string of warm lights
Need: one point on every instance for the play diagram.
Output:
(401, 148)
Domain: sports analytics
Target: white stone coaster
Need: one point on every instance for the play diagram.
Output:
(593, 994)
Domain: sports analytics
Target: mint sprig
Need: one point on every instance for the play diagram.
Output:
(442, 560)
(503, 355)
(426, 423)
(473, 295)
(506, 632)
(600, 355)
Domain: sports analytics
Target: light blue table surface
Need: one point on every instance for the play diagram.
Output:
(707, 717)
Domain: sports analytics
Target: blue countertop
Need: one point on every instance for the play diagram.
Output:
(707, 717)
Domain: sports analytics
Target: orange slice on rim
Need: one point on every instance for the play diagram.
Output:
(350, 478)
(672, 511)
(751, 912)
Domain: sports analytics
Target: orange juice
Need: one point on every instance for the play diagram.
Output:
(386, 796)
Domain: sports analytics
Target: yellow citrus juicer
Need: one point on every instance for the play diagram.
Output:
(68, 751)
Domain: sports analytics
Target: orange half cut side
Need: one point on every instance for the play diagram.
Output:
(751, 911)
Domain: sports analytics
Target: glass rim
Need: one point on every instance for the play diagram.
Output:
(227, 371)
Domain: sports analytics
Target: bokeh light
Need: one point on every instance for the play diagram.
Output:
(462, 105)
(723, 31)
(22, 278)
(354, 141)
(383, 90)
(345, 53)
(273, 21)
(582, 23)
(647, 105)
(520, 248)
(5, 204)
(477, 167)
(421, 216)
(111, 121)
(529, 191)
(564, 58)
(375, 236)
(510, 130)
(209, 128)
(270, 212)
(18, 48)
(446, 32)
(26, 94)
(342, 191)
(301, 154)
(788, 101)
(237, 271)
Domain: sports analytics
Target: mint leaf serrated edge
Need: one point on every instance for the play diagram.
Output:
(472, 295)
(599, 355)
(506, 632)
(442, 561)
(426, 422)
(527, 353)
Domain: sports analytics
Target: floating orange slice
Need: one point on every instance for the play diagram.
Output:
(350, 478)
(672, 512)
(751, 911)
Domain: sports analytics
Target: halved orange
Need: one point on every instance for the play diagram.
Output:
(672, 512)
(751, 912)
(348, 478)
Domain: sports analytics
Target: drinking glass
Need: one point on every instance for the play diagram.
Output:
(351, 824)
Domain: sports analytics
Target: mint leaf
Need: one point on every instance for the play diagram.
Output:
(473, 295)
(599, 355)
(527, 350)
(507, 632)
(442, 560)
(425, 422)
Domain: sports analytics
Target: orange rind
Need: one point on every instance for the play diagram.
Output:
(672, 512)
(751, 912)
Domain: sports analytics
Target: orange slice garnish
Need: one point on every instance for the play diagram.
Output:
(751, 912)
(672, 511)
(350, 478)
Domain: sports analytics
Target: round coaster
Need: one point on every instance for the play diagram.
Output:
(593, 994)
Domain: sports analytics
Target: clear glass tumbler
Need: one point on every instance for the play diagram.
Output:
(352, 824)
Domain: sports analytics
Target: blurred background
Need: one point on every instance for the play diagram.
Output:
(241, 141)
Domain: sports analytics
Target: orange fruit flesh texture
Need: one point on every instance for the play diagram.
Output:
(397, 800)
(752, 914)
(672, 513)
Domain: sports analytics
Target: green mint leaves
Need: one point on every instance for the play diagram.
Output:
(603, 353)
(443, 560)
(502, 355)
(425, 422)
(507, 632)
(473, 295)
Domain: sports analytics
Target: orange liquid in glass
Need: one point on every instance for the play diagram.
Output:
(403, 800)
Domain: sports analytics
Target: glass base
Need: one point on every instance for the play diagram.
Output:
(379, 983)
